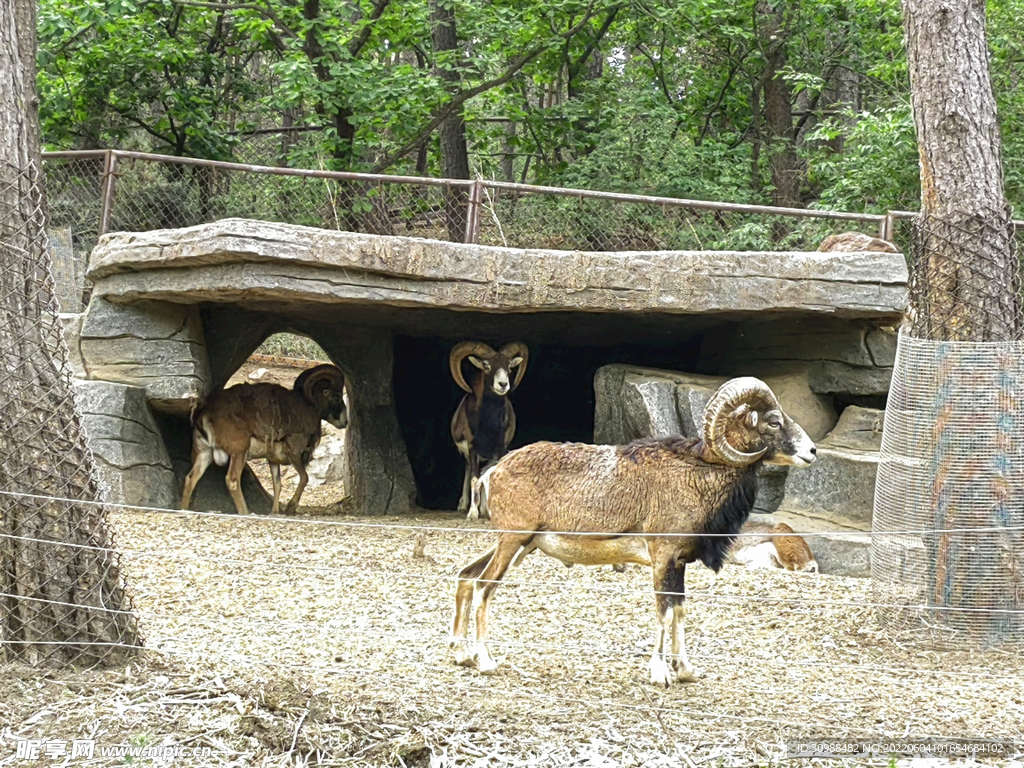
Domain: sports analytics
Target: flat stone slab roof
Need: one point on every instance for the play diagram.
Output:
(240, 260)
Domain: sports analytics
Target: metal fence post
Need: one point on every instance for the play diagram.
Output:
(109, 180)
(476, 198)
(887, 227)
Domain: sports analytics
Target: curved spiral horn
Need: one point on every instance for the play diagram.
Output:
(512, 349)
(460, 352)
(723, 403)
(308, 380)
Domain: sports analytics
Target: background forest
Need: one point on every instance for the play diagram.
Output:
(795, 104)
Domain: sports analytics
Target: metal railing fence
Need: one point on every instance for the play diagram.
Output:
(95, 192)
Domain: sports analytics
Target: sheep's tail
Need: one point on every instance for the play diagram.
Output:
(204, 438)
(474, 569)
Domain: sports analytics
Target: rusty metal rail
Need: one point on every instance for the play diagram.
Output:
(112, 158)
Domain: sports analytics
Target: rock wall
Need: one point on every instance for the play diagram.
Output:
(840, 357)
(175, 312)
(157, 346)
(132, 464)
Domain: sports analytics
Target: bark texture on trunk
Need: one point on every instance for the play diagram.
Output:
(451, 132)
(966, 275)
(65, 601)
(965, 287)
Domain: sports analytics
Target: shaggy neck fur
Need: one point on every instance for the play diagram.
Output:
(489, 435)
(740, 489)
(728, 519)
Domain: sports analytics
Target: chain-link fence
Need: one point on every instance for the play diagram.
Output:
(62, 596)
(103, 191)
(948, 548)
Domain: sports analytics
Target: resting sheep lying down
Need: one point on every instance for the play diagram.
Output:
(784, 549)
(543, 496)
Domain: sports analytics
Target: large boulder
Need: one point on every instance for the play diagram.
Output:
(132, 464)
(633, 402)
(233, 258)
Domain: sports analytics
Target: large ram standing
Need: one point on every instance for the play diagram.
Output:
(265, 421)
(484, 423)
(658, 502)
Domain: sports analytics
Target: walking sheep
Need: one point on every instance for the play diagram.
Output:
(265, 421)
(547, 495)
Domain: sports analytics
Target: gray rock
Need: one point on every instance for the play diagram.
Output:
(72, 324)
(838, 488)
(228, 260)
(859, 429)
(158, 347)
(328, 465)
(837, 493)
(840, 357)
(131, 461)
(633, 402)
(828, 377)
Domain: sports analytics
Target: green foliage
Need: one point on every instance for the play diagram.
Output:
(875, 170)
(662, 97)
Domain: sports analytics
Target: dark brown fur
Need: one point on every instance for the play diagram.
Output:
(484, 422)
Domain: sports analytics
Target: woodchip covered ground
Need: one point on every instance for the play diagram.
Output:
(322, 640)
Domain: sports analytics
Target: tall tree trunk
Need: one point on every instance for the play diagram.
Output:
(966, 284)
(64, 600)
(965, 287)
(786, 167)
(451, 132)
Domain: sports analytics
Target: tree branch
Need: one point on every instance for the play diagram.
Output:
(463, 96)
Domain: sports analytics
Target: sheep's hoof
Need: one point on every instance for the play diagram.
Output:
(661, 672)
(484, 662)
(463, 657)
(688, 674)
(474, 514)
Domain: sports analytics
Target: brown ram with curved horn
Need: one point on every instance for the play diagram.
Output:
(658, 502)
(265, 421)
(484, 423)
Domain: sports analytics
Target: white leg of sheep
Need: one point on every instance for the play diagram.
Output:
(669, 662)
(476, 585)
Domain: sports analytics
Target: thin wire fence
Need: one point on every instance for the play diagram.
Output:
(55, 596)
(953, 444)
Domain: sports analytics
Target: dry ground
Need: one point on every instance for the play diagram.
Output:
(323, 641)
